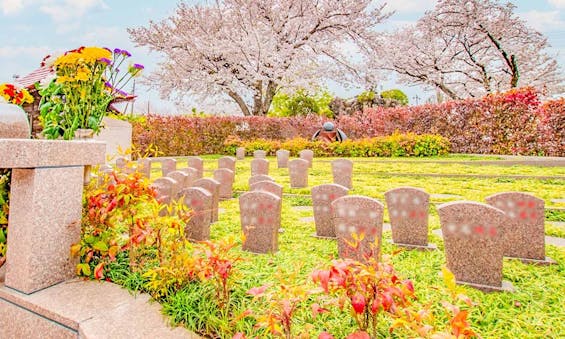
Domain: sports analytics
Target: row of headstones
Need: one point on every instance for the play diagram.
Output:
(168, 165)
(476, 236)
(188, 185)
(342, 169)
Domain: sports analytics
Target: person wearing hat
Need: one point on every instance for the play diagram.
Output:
(329, 133)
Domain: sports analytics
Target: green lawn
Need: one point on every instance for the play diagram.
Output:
(534, 310)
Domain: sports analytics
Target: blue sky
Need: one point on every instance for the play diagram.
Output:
(32, 29)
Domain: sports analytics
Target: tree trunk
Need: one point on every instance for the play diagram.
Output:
(270, 93)
(239, 100)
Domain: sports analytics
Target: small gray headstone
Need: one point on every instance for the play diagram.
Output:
(259, 166)
(307, 155)
(121, 163)
(358, 217)
(260, 214)
(213, 187)
(259, 154)
(322, 198)
(524, 232)
(342, 171)
(267, 186)
(192, 175)
(227, 162)
(198, 164)
(240, 153)
(282, 158)
(474, 243)
(165, 188)
(181, 178)
(257, 178)
(104, 174)
(168, 165)
(298, 172)
(225, 177)
(408, 213)
(144, 167)
(14, 123)
(200, 202)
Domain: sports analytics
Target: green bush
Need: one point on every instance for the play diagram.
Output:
(395, 145)
(301, 103)
(397, 95)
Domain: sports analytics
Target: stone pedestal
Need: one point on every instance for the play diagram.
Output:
(45, 208)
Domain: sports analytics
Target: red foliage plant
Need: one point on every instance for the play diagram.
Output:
(514, 122)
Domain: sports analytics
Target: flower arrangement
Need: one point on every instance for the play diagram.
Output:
(87, 80)
(15, 95)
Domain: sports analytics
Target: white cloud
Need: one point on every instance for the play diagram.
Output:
(13, 52)
(557, 3)
(11, 6)
(410, 6)
(544, 21)
(70, 10)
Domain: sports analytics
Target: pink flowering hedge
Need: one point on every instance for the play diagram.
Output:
(515, 122)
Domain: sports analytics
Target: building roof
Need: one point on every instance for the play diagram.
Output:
(40, 74)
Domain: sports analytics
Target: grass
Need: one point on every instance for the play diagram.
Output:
(534, 310)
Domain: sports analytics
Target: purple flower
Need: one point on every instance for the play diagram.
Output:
(117, 50)
(108, 84)
(105, 60)
(138, 66)
(122, 93)
(125, 53)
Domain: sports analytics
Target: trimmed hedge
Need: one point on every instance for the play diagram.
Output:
(514, 122)
(395, 145)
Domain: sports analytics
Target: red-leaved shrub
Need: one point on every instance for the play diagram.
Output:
(514, 122)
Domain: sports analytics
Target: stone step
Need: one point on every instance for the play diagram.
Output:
(83, 309)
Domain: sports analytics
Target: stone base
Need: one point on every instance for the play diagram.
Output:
(546, 262)
(506, 286)
(428, 247)
(83, 309)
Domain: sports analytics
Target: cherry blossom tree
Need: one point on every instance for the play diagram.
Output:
(468, 48)
(248, 49)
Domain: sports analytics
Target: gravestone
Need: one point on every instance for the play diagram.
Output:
(225, 177)
(473, 235)
(342, 171)
(260, 214)
(259, 154)
(144, 167)
(322, 198)
(168, 165)
(298, 172)
(307, 155)
(358, 217)
(182, 181)
(408, 214)
(104, 173)
(121, 163)
(282, 158)
(257, 178)
(200, 201)
(192, 175)
(166, 189)
(524, 232)
(259, 166)
(267, 186)
(198, 164)
(213, 187)
(14, 123)
(227, 162)
(240, 153)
